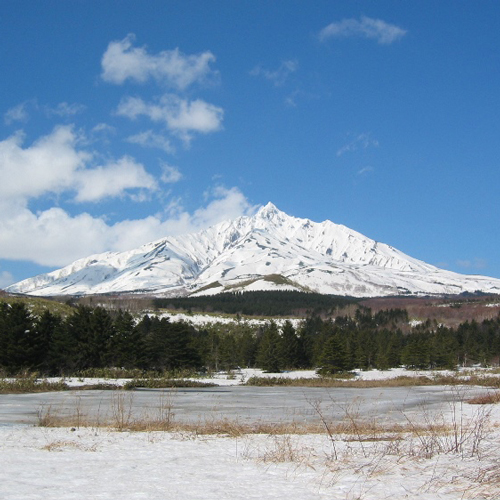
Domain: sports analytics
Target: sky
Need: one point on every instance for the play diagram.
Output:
(122, 122)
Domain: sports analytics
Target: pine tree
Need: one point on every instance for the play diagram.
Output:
(268, 357)
(334, 358)
(289, 347)
(125, 347)
(18, 338)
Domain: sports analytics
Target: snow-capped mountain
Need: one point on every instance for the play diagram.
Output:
(270, 250)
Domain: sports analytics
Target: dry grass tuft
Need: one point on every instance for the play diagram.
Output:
(486, 399)
(65, 445)
(284, 448)
(401, 381)
(30, 384)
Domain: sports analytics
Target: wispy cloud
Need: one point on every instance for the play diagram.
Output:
(150, 139)
(278, 76)
(122, 62)
(17, 113)
(103, 128)
(375, 29)
(63, 109)
(170, 174)
(21, 112)
(362, 141)
(365, 170)
(476, 263)
(6, 279)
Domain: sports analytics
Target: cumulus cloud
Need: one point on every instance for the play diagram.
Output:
(376, 29)
(180, 116)
(112, 180)
(48, 165)
(150, 139)
(227, 204)
(122, 61)
(54, 164)
(55, 238)
(279, 75)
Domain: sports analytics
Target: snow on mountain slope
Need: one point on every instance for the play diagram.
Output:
(269, 250)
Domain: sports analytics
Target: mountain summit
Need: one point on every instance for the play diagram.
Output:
(269, 250)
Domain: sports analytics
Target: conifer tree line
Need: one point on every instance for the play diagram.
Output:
(98, 338)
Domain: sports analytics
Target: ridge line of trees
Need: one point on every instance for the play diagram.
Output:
(98, 338)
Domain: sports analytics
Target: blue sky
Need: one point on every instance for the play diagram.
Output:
(126, 121)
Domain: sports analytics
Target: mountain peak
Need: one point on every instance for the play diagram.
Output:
(268, 211)
(270, 250)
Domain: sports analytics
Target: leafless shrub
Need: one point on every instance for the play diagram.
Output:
(285, 449)
(121, 409)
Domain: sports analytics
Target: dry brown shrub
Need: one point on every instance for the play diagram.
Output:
(486, 399)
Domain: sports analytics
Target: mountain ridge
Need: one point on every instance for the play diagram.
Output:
(269, 250)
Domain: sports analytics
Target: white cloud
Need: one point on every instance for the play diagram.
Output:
(150, 139)
(476, 263)
(112, 180)
(170, 174)
(50, 238)
(382, 32)
(122, 61)
(20, 113)
(226, 204)
(17, 113)
(54, 164)
(365, 170)
(103, 128)
(54, 238)
(181, 117)
(6, 279)
(278, 76)
(48, 165)
(64, 109)
(362, 141)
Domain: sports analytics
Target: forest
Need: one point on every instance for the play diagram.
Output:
(269, 303)
(96, 337)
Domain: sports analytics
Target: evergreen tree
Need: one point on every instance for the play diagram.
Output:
(289, 347)
(63, 355)
(416, 354)
(334, 358)
(247, 349)
(169, 346)
(125, 346)
(45, 327)
(268, 356)
(18, 338)
(92, 329)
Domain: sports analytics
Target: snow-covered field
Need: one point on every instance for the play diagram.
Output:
(87, 463)
(423, 463)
